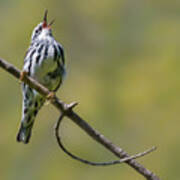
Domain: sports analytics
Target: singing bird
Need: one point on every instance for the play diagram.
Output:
(45, 62)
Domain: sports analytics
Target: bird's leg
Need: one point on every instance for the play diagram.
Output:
(50, 97)
(23, 74)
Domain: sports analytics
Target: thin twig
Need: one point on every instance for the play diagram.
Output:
(58, 138)
(62, 107)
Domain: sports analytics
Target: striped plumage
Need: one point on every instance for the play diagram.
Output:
(44, 61)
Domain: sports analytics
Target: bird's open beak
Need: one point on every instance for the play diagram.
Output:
(45, 23)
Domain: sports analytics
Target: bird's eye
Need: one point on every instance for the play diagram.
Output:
(36, 31)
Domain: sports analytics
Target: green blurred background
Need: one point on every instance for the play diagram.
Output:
(123, 61)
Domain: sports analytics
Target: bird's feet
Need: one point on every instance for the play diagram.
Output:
(23, 74)
(50, 97)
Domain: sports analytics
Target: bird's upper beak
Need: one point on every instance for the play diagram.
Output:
(45, 23)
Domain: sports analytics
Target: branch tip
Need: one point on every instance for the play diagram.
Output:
(71, 105)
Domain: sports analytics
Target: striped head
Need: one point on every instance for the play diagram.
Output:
(42, 30)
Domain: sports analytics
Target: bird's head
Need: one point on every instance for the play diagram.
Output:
(43, 29)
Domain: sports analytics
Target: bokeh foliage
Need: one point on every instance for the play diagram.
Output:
(123, 67)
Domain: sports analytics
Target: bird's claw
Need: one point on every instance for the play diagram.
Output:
(23, 74)
(51, 96)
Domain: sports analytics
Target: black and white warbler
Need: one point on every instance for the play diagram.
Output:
(45, 62)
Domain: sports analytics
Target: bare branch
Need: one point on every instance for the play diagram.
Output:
(61, 106)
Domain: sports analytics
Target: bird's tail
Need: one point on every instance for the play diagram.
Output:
(24, 133)
(27, 122)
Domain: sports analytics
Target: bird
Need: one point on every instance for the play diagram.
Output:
(45, 62)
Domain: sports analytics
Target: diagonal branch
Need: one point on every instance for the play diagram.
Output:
(64, 108)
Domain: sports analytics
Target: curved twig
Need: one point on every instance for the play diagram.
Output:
(58, 138)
